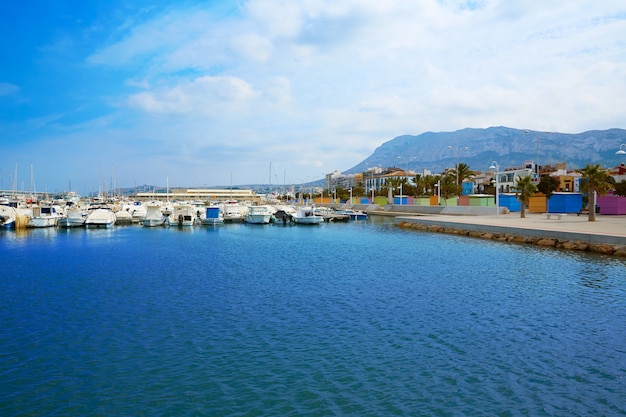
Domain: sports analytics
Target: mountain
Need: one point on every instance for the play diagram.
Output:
(509, 147)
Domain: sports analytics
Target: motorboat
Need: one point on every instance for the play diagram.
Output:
(331, 215)
(306, 215)
(123, 217)
(182, 216)
(154, 217)
(138, 211)
(282, 216)
(73, 218)
(8, 216)
(100, 217)
(354, 214)
(45, 216)
(212, 216)
(260, 215)
(233, 211)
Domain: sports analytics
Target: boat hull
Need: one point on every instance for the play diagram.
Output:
(71, 222)
(37, 222)
(152, 222)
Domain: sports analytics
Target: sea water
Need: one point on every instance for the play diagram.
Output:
(356, 319)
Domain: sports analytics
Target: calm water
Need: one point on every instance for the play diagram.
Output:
(360, 319)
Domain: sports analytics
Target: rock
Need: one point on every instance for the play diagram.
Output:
(546, 242)
(603, 248)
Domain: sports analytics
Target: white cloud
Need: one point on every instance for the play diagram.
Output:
(203, 96)
(322, 83)
(7, 89)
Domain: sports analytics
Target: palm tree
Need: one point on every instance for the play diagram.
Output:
(524, 190)
(461, 172)
(419, 185)
(594, 180)
(448, 187)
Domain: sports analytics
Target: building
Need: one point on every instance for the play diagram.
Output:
(338, 180)
(217, 195)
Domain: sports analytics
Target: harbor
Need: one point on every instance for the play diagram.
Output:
(573, 231)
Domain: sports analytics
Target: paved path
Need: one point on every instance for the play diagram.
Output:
(606, 229)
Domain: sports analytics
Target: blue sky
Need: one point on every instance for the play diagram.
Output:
(210, 93)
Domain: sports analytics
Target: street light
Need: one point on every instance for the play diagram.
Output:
(621, 151)
(372, 186)
(464, 148)
(494, 165)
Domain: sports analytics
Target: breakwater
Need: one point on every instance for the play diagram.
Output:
(603, 244)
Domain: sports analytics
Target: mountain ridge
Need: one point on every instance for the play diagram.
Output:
(509, 147)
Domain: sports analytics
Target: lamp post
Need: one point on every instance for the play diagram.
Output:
(456, 168)
(372, 186)
(350, 195)
(494, 165)
(620, 151)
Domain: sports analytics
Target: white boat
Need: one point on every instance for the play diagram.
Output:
(182, 216)
(259, 215)
(306, 215)
(8, 215)
(154, 217)
(73, 218)
(354, 214)
(100, 217)
(212, 216)
(45, 216)
(138, 211)
(123, 217)
(233, 211)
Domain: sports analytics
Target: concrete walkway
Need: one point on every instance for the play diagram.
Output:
(606, 229)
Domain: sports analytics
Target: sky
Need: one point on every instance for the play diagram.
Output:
(103, 94)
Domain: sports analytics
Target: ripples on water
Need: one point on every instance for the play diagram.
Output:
(347, 319)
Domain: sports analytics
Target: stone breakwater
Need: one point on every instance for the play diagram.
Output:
(554, 242)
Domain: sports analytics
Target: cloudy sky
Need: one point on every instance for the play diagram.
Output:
(214, 92)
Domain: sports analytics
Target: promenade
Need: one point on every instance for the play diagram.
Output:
(606, 235)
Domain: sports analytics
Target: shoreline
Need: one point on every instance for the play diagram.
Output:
(607, 235)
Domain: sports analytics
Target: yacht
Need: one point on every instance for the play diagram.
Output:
(182, 215)
(154, 216)
(100, 217)
(260, 215)
(212, 216)
(45, 216)
(8, 215)
(73, 218)
(306, 215)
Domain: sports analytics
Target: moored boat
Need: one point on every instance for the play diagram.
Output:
(45, 216)
(259, 215)
(73, 218)
(233, 211)
(212, 216)
(138, 211)
(100, 217)
(8, 215)
(306, 215)
(182, 216)
(154, 216)
(354, 214)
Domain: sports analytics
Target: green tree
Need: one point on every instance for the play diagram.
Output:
(548, 185)
(448, 186)
(430, 181)
(594, 180)
(524, 190)
(358, 191)
(620, 188)
(464, 172)
(420, 185)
